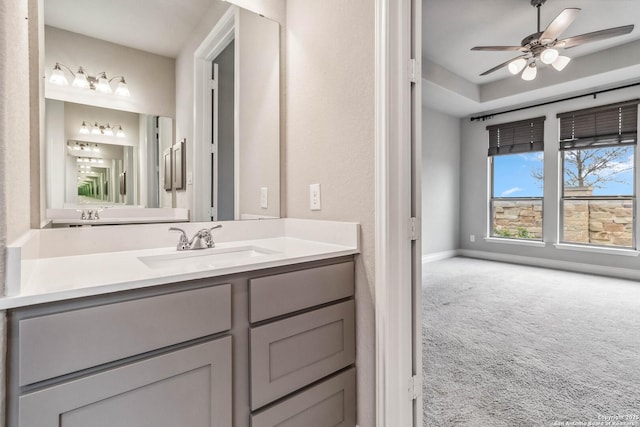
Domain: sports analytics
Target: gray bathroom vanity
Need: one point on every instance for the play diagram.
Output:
(268, 346)
(272, 347)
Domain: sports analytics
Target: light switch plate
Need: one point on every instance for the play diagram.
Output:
(264, 197)
(314, 197)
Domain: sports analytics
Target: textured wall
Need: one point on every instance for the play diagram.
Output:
(14, 141)
(440, 181)
(330, 141)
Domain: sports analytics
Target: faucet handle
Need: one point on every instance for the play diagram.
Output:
(215, 226)
(183, 242)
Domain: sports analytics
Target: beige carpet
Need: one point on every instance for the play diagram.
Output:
(508, 345)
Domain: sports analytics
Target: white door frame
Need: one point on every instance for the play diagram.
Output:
(397, 262)
(219, 38)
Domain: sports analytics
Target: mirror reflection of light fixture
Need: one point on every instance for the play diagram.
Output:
(98, 129)
(82, 80)
(84, 129)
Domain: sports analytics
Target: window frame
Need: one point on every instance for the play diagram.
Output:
(604, 126)
(563, 198)
(520, 137)
(492, 198)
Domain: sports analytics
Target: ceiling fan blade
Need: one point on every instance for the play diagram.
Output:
(559, 24)
(504, 64)
(497, 48)
(595, 36)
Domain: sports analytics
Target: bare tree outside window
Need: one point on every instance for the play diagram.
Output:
(595, 168)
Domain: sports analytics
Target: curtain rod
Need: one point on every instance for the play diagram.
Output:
(594, 94)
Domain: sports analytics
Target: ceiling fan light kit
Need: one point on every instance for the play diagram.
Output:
(544, 45)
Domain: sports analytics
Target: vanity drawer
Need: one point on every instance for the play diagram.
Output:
(273, 296)
(67, 342)
(330, 403)
(292, 353)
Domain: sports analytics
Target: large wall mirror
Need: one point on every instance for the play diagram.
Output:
(109, 150)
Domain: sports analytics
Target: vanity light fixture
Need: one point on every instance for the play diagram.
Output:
(82, 80)
(98, 129)
(84, 129)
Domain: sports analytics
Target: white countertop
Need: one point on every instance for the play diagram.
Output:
(54, 278)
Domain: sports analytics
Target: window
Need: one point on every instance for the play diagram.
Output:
(516, 158)
(597, 148)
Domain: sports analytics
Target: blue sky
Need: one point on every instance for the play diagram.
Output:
(513, 175)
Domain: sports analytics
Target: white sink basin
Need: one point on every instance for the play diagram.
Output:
(206, 258)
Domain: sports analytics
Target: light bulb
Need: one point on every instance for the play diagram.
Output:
(96, 129)
(561, 62)
(84, 129)
(58, 77)
(549, 55)
(122, 88)
(517, 65)
(108, 131)
(530, 72)
(120, 133)
(103, 84)
(81, 80)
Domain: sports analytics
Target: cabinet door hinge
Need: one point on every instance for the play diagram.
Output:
(413, 71)
(415, 387)
(414, 228)
(213, 84)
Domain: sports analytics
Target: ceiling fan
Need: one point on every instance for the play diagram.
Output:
(544, 45)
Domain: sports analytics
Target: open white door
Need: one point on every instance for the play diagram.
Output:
(398, 171)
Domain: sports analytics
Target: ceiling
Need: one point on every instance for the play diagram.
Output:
(156, 26)
(451, 71)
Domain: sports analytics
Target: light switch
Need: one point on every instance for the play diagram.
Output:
(314, 197)
(264, 197)
(189, 178)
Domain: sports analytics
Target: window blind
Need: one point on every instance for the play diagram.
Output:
(516, 137)
(604, 126)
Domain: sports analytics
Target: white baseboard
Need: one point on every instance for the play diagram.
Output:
(601, 270)
(438, 256)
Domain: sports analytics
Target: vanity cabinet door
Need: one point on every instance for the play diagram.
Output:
(329, 403)
(292, 353)
(191, 387)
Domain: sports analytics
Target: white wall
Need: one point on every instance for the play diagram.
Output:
(150, 78)
(474, 187)
(258, 103)
(330, 49)
(440, 182)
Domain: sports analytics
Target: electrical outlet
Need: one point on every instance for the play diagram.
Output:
(472, 238)
(264, 197)
(314, 197)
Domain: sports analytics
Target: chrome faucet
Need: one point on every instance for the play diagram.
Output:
(201, 240)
